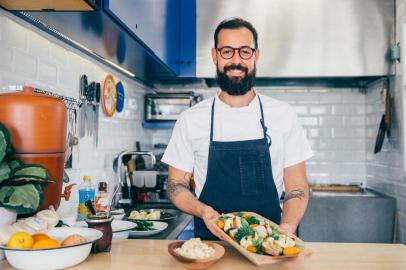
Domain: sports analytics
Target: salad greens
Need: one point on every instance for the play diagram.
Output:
(242, 232)
(143, 225)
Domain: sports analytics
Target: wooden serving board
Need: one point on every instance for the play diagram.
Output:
(258, 259)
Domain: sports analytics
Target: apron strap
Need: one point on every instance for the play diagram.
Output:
(264, 128)
(211, 123)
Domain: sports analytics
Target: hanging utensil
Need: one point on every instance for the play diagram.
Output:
(96, 121)
(90, 111)
(83, 106)
(381, 136)
(388, 111)
(384, 124)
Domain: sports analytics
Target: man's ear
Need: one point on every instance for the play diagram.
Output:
(214, 55)
(257, 54)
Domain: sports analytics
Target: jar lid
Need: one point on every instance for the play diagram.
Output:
(100, 217)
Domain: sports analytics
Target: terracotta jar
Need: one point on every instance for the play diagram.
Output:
(37, 124)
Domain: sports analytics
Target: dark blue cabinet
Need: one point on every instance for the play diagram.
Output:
(165, 27)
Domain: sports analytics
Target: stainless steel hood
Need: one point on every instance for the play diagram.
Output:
(305, 38)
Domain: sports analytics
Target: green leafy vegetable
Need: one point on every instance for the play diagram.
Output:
(21, 185)
(32, 170)
(224, 217)
(24, 199)
(258, 243)
(252, 220)
(4, 141)
(14, 164)
(143, 225)
(242, 232)
(275, 234)
(244, 223)
(5, 171)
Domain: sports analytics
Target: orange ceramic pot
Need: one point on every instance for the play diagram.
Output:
(37, 124)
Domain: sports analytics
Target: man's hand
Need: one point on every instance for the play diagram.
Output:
(287, 227)
(208, 214)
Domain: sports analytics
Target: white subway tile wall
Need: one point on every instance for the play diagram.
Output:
(30, 57)
(336, 130)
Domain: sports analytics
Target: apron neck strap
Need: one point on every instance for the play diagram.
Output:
(212, 121)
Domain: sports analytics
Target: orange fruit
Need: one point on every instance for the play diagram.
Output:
(20, 240)
(39, 236)
(220, 224)
(46, 243)
(73, 239)
(291, 251)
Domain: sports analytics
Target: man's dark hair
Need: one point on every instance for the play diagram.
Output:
(235, 23)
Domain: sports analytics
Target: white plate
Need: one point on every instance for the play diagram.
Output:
(158, 225)
(54, 258)
(121, 228)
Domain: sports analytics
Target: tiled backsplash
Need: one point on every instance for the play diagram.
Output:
(31, 57)
(334, 120)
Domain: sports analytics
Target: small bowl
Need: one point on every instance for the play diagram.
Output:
(54, 258)
(197, 263)
(117, 214)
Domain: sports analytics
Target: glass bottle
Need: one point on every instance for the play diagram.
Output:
(86, 192)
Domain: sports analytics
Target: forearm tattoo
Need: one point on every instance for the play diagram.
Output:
(296, 193)
(175, 187)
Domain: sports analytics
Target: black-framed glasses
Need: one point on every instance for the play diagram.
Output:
(245, 52)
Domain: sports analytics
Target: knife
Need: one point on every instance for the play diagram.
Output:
(96, 121)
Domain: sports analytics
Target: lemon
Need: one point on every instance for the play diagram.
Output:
(20, 240)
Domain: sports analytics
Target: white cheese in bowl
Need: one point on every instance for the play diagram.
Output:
(195, 249)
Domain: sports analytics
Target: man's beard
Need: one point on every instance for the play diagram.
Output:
(236, 86)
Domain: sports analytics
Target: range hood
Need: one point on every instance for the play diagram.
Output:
(305, 38)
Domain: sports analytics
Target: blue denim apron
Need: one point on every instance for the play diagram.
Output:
(239, 178)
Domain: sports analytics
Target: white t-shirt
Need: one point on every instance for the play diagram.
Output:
(188, 148)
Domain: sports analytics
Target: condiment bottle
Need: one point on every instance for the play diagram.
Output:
(102, 198)
(86, 192)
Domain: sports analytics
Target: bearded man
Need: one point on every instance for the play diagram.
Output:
(243, 149)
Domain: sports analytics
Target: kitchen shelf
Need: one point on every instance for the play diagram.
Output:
(158, 125)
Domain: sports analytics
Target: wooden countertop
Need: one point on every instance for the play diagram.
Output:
(145, 254)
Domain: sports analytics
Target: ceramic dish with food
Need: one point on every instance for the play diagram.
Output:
(196, 254)
(147, 228)
(152, 214)
(257, 238)
(59, 248)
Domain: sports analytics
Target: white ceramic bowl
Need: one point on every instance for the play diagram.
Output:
(121, 228)
(117, 214)
(54, 258)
